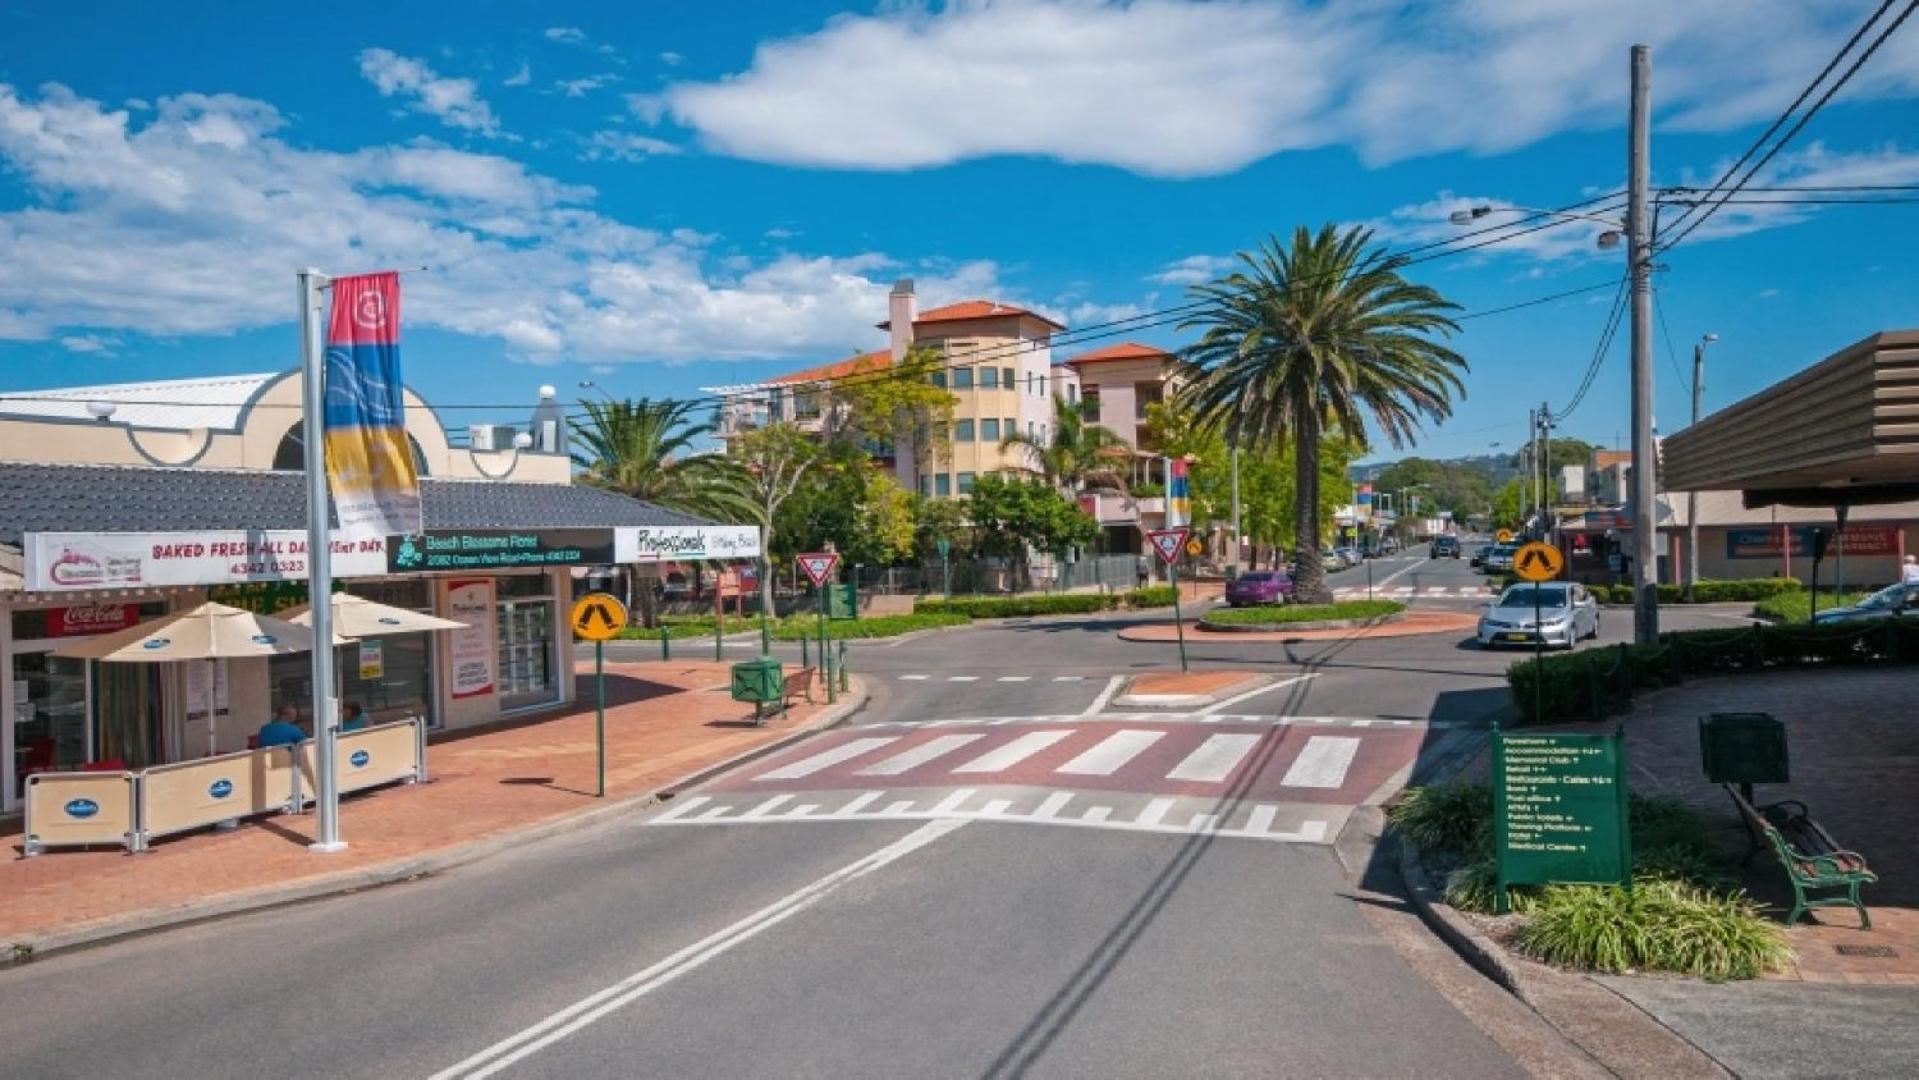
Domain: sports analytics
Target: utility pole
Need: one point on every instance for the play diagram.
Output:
(1532, 467)
(1692, 497)
(1238, 546)
(1545, 469)
(1645, 513)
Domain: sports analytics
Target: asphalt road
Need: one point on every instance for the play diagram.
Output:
(974, 942)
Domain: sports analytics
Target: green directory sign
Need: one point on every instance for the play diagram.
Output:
(1559, 809)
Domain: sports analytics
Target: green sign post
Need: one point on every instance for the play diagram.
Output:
(1559, 810)
(818, 568)
(1168, 543)
(946, 568)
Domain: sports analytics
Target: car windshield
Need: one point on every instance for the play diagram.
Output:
(1892, 596)
(1521, 596)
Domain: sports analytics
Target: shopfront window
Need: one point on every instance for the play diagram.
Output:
(49, 715)
(67, 713)
(390, 677)
(524, 622)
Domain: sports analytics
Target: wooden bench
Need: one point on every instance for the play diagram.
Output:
(1812, 858)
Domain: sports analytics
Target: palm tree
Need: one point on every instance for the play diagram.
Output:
(1318, 335)
(1074, 455)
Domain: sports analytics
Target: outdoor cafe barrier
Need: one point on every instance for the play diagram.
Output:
(75, 809)
(191, 794)
(78, 809)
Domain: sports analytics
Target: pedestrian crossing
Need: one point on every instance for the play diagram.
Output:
(1171, 717)
(1170, 815)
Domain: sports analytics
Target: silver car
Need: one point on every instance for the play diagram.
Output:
(1893, 600)
(1566, 613)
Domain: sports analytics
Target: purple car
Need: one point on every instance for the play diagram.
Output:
(1259, 587)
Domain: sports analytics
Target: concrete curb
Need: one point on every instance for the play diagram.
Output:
(27, 949)
(1310, 624)
(1177, 702)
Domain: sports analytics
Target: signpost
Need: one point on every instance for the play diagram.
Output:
(1559, 811)
(1168, 543)
(818, 568)
(597, 617)
(946, 568)
(1537, 562)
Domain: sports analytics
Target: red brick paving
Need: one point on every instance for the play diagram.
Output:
(664, 720)
(1186, 683)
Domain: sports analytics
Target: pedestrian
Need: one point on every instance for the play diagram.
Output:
(1145, 568)
(1909, 573)
(353, 718)
(283, 729)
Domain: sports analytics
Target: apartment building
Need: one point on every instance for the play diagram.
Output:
(1114, 387)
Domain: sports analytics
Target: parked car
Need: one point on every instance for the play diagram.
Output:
(1352, 555)
(1479, 555)
(1566, 613)
(1445, 547)
(1499, 558)
(1259, 587)
(1884, 604)
(1332, 560)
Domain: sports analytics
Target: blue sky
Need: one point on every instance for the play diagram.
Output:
(660, 197)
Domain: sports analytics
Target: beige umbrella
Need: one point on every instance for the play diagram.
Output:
(358, 617)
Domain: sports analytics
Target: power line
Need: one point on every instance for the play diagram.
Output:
(1606, 335)
(1805, 187)
(1743, 201)
(1672, 355)
(1844, 78)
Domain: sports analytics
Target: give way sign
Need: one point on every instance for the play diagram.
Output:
(1168, 542)
(819, 566)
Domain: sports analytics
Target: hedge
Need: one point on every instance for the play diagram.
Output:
(1796, 607)
(1586, 686)
(873, 626)
(1006, 607)
(1705, 591)
(1151, 596)
(1280, 614)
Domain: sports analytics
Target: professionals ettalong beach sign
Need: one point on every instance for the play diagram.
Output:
(498, 549)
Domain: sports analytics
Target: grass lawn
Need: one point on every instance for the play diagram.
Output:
(1282, 614)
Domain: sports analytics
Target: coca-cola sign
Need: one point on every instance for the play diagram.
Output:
(84, 620)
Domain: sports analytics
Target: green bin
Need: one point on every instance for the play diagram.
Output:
(843, 601)
(758, 681)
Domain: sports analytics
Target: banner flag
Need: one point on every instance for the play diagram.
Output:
(369, 460)
(1179, 499)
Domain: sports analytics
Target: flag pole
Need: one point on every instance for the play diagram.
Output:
(319, 566)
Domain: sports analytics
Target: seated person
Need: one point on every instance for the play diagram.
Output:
(353, 718)
(283, 729)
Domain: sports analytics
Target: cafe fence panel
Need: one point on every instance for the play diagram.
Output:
(191, 794)
(371, 757)
(81, 808)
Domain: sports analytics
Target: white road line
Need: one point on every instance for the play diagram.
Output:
(1013, 752)
(1215, 758)
(803, 810)
(683, 807)
(1203, 823)
(914, 678)
(1261, 819)
(900, 807)
(827, 759)
(962, 678)
(1097, 814)
(1014, 678)
(598, 1005)
(995, 808)
(1255, 692)
(858, 804)
(1388, 579)
(1112, 687)
(767, 807)
(1053, 805)
(1069, 678)
(716, 812)
(952, 801)
(1323, 763)
(919, 755)
(1154, 813)
(1112, 752)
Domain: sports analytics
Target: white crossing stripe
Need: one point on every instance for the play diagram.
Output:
(858, 804)
(962, 678)
(952, 801)
(682, 807)
(996, 807)
(1069, 678)
(767, 807)
(1015, 678)
(1098, 814)
(1013, 752)
(1216, 757)
(827, 759)
(919, 755)
(1053, 805)
(1323, 763)
(1154, 813)
(1261, 819)
(1111, 753)
(914, 678)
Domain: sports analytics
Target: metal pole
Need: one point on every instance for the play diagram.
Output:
(826, 659)
(1237, 545)
(1692, 497)
(1179, 621)
(599, 710)
(319, 567)
(1645, 514)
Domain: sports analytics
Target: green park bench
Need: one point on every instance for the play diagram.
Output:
(1812, 858)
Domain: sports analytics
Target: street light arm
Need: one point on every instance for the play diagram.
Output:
(1467, 217)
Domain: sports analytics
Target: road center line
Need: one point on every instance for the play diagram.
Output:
(1387, 580)
(598, 1005)
(1255, 692)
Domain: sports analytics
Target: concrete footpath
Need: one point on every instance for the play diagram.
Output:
(488, 789)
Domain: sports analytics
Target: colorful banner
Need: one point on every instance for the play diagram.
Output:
(376, 490)
(1179, 498)
(1365, 501)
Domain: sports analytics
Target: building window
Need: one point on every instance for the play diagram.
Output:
(962, 378)
(939, 379)
(943, 485)
(1032, 429)
(963, 431)
(1072, 392)
(966, 483)
(1006, 378)
(989, 430)
(1011, 426)
(989, 378)
(926, 486)
(806, 406)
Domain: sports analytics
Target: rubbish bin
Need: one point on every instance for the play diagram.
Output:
(758, 681)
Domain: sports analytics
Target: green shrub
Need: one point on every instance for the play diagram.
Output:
(1151, 596)
(1707, 591)
(1654, 926)
(1005, 607)
(1147, 490)
(1262, 614)
(1796, 607)
(1454, 817)
(877, 626)
(1661, 821)
(680, 627)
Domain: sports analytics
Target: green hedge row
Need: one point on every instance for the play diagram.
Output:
(1796, 607)
(1705, 591)
(1151, 596)
(1008, 607)
(869, 626)
(1279, 614)
(1587, 685)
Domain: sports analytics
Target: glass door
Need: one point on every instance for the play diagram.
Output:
(524, 630)
(50, 715)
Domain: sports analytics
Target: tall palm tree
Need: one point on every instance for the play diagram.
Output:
(1074, 455)
(1318, 334)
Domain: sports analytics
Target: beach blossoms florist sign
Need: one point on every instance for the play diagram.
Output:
(57, 562)
(1559, 809)
(376, 490)
(498, 549)
(675, 542)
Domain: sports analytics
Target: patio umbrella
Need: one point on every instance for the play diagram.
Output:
(358, 617)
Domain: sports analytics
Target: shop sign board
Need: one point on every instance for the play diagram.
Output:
(1763, 542)
(471, 646)
(1559, 809)
(64, 561)
(497, 549)
(372, 658)
(680, 542)
(83, 620)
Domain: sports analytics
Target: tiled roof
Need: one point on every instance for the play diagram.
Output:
(124, 498)
(214, 402)
(828, 372)
(975, 309)
(1125, 350)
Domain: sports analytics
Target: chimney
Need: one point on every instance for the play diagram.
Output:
(902, 307)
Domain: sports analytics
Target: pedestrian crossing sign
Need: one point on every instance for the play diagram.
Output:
(598, 616)
(818, 567)
(1538, 561)
(1168, 542)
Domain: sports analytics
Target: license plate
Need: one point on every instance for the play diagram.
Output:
(1515, 637)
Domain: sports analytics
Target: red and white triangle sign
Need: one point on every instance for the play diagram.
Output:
(819, 567)
(1168, 542)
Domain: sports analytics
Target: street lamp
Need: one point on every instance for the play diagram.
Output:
(1611, 238)
(1692, 497)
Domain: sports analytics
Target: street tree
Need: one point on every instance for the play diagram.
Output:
(898, 406)
(1075, 455)
(775, 459)
(1320, 333)
(1014, 515)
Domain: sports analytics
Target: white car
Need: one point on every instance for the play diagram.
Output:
(1566, 613)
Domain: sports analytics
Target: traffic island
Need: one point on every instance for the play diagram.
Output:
(1186, 689)
(1402, 624)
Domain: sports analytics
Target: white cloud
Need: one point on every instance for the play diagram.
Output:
(1193, 269)
(671, 59)
(455, 102)
(572, 35)
(1182, 88)
(89, 343)
(581, 87)
(626, 146)
(192, 220)
(1768, 294)
(520, 77)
